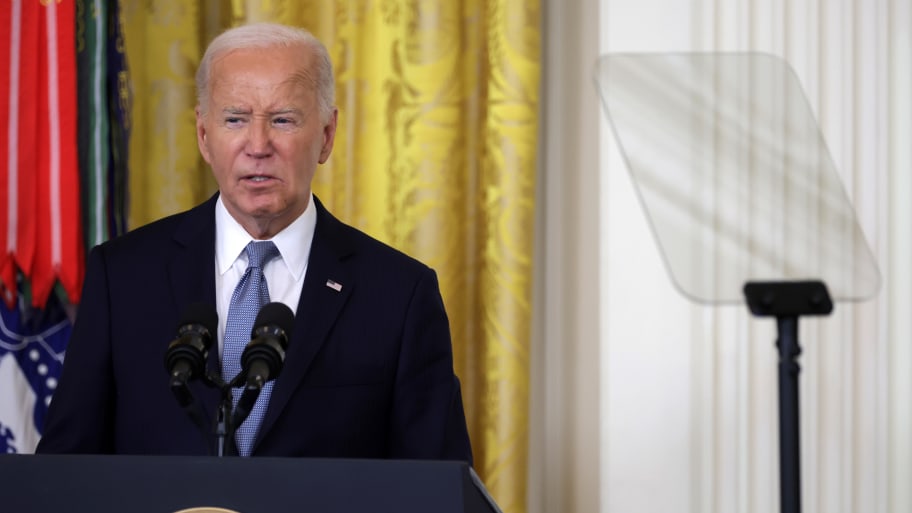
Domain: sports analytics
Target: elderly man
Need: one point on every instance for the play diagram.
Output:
(368, 371)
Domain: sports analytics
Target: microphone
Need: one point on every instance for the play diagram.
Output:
(263, 357)
(186, 356)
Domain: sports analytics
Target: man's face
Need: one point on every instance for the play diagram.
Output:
(263, 136)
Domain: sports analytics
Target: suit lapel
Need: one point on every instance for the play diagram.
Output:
(191, 269)
(327, 286)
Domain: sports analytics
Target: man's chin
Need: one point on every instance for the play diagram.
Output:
(261, 205)
(263, 214)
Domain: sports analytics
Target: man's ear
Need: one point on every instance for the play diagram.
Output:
(329, 136)
(201, 134)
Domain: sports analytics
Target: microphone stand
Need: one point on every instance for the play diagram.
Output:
(187, 402)
(227, 417)
(223, 428)
(246, 402)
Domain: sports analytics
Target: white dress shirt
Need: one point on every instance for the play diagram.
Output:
(284, 275)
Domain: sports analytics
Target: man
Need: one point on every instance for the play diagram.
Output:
(368, 371)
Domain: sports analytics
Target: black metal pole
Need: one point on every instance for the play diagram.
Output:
(223, 431)
(222, 428)
(787, 301)
(789, 421)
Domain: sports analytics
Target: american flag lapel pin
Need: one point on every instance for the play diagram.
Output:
(334, 285)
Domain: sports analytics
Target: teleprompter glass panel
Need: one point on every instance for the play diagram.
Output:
(734, 174)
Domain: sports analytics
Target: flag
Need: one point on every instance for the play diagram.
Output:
(104, 121)
(58, 254)
(32, 347)
(19, 46)
(63, 183)
(40, 227)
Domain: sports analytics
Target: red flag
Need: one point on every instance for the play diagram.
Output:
(58, 242)
(18, 135)
(9, 24)
(27, 152)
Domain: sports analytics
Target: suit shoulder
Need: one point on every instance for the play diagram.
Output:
(380, 252)
(160, 233)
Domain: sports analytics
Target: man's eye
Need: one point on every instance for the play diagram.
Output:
(233, 120)
(283, 121)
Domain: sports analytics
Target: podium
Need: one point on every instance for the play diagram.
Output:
(168, 484)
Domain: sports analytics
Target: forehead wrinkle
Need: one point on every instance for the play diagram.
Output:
(242, 100)
(305, 77)
(304, 73)
(242, 92)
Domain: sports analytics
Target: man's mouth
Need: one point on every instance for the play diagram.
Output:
(258, 178)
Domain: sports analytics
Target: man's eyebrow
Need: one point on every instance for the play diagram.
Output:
(289, 110)
(277, 112)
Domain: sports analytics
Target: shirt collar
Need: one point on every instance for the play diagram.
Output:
(293, 242)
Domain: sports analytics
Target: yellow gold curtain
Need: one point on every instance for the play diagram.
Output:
(435, 154)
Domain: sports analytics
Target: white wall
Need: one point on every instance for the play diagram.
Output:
(680, 412)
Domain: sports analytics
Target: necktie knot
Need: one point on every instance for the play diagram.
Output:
(259, 253)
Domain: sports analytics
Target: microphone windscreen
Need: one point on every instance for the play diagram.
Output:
(275, 314)
(201, 313)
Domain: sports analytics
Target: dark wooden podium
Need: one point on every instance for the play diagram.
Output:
(166, 484)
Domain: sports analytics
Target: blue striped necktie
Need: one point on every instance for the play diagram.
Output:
(249, 296)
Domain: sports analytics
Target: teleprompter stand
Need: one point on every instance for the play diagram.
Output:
(787, 302)
(739, 187)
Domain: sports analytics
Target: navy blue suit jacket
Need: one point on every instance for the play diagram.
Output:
(368, 371)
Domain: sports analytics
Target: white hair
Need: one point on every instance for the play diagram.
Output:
(266, 35)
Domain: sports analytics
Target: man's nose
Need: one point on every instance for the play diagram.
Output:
(258, 143)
